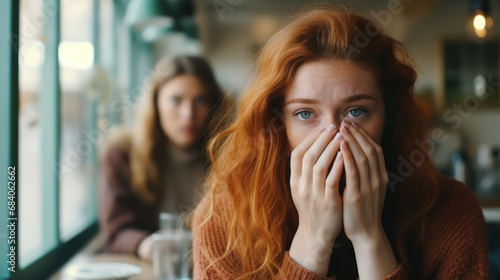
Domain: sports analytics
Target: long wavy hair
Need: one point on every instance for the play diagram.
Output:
(249, 158)
(146, 141)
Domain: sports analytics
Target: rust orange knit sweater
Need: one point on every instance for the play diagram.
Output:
(457, 246)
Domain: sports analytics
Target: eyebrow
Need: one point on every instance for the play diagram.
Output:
(349, 99)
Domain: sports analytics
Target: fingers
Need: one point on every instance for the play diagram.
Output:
(333, 178)
(298, 153)
(351, 172)
(361, 160)
(378, 151)
(370, 158)
(325, 160)
(314, 152)
(366, 153)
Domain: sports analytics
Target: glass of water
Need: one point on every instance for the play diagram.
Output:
(171, 221)
(171, 255)
(172, 248)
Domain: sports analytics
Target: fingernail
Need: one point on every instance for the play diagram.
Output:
(345, 124)
(321, 130)
(354, 125)
(337, 136)
(331, 127)
(346, 130)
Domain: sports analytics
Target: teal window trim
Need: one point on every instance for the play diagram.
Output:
(9, 107)
(92, 114)
(115, 58)
(51, 130)
(44, 266)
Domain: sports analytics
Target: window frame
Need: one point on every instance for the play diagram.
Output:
(59, 252)
(9, 84)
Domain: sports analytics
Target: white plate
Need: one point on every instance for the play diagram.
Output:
(102, 271)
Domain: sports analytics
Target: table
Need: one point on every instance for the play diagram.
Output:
(146, 267)
(88, 255)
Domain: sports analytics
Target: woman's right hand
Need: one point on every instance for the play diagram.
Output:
(145, 249)
(315, 193)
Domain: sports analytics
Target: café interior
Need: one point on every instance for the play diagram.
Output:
(76, 68)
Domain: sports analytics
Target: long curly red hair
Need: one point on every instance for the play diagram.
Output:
(249, 158)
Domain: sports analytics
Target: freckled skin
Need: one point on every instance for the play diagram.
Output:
(329, 81)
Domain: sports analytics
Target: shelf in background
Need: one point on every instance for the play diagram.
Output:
(489, 202)
(491, 214)
(491, 208)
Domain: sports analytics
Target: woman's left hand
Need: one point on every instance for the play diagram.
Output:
(366, 183)
(363, 201)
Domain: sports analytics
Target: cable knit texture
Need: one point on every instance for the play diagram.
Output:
(456, 247)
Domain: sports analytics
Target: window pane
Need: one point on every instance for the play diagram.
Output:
(31, 59)
(76, 56)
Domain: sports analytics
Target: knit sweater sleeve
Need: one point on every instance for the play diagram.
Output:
(457, 246)
(209, 241)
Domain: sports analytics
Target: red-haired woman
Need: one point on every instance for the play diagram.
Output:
(324, 172)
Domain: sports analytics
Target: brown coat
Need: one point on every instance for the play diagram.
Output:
(124, 219)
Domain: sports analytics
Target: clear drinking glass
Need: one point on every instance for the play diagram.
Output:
(171, 255)
(170, 221)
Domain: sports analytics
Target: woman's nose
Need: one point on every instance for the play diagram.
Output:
(332, 120)
(187, 110)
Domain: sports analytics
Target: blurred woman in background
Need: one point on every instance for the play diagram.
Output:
(158, 165)
(325, 171)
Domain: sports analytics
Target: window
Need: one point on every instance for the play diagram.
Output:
(52, 118)
(8, 127)
(31, 62)
(471, 69)
(50, 106)
(78, 117)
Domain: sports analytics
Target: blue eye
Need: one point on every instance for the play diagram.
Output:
(304, 114)
(357, 112)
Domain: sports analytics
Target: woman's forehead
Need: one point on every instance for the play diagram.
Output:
(332, 79)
